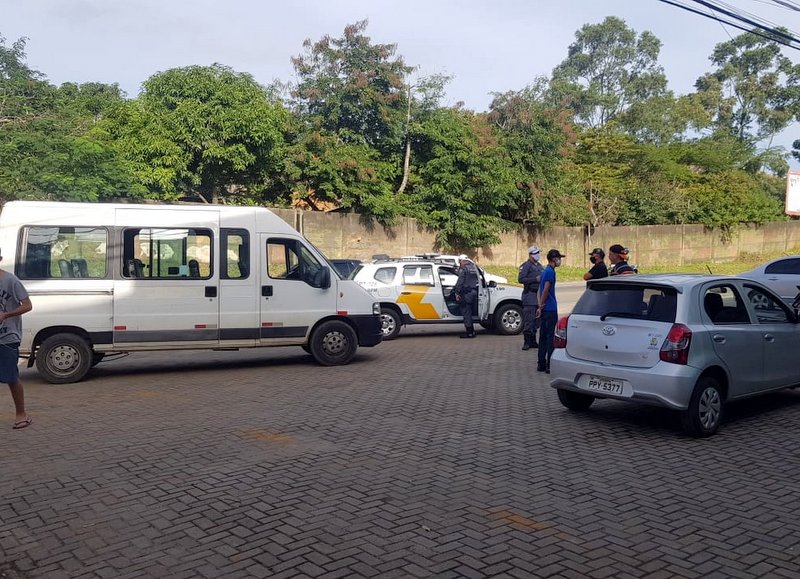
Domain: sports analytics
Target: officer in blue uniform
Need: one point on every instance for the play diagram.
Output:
(530, 273)
(466, 292)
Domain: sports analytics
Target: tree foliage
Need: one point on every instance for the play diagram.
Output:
(601, 141)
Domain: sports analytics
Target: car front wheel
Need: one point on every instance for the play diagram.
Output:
(390, 323)
(704, 414)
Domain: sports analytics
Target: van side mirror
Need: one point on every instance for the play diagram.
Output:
(322, 278)
(492, 283)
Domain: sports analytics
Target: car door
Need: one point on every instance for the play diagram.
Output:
(736, 341)
(420, 294)
(779, 335)
(783, 276)
(291, 300)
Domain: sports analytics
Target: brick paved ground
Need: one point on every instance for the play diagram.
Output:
(429, 456)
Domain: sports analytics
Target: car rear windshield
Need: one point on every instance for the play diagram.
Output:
(628, 301)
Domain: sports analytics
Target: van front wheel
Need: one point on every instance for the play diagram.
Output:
(333, 343)
(64, 358)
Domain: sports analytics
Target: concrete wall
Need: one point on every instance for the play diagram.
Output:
(349, 235)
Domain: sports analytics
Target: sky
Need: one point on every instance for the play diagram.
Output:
(485, 46)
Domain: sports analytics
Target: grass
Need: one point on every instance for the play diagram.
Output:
(746, 261)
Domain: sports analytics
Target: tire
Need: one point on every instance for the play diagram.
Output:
(704, 414)
(390, 323)
(333, 343)
(64, 358)
(575, 401)
(508, 320)
(759, 301)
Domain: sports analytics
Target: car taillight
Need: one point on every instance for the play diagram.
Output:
(676, 347)
(560, 337)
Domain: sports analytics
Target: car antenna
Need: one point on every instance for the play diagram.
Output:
(709, 270)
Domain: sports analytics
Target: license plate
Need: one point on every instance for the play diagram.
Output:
(603, 384)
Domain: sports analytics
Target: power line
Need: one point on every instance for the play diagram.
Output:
(787, 4)
(735, 21)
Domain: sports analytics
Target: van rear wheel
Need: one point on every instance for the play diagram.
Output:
(333, 343)
(64, 358)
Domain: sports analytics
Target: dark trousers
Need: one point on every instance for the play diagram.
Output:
(529, 324)
(468, 300)
(547, 330)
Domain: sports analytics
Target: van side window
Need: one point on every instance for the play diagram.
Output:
(235, 255)
(63, 252)
(290, 259)
(167, 253)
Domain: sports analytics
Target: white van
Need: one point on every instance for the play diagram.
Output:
(115, 278)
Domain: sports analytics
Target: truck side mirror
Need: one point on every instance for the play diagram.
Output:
(322, 278)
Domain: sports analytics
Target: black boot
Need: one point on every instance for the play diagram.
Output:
(527, 343)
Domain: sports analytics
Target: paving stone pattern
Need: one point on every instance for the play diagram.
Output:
(428, 456)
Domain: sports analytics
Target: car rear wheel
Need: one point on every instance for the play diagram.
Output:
(704, 414)
(575, 401)
(390, 323)
(508, 319)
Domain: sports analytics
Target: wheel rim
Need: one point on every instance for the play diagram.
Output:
(63, 359)
(334, 343)
(709, 408)
(759, 301)
(511, 320)
(387, 324)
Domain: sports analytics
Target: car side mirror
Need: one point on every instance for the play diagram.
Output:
(492, 283)
(322, 278)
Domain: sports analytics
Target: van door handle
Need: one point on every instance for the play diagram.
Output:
(266, 290)
(718, 338)
(211, 291)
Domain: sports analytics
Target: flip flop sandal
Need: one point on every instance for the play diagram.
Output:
(22, 424)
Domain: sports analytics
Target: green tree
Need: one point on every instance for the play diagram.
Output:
(754, 93)
(463, 187)
(204, 133)
(608, 69)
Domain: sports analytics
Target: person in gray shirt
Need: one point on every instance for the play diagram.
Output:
(14, 302)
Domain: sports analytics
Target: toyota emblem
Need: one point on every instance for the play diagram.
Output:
(609, 330)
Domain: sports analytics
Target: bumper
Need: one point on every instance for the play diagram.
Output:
(368, 329)
(667, 385)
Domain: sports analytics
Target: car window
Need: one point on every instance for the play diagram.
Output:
(768, 309)
(385, 274)
(626, 300)
(448, 276)
(418, 275)
(790, 266)
(723, 305)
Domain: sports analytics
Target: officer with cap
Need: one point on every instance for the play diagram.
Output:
(466, 292)
(599, 269)
(530, 273)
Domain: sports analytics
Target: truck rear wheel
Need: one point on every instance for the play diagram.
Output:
(333, 343)
(64, 358)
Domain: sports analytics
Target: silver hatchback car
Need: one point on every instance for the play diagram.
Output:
(685, 342)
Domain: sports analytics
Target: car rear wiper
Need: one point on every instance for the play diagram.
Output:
(621, 315)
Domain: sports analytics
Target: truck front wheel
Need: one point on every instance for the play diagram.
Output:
(333, 343)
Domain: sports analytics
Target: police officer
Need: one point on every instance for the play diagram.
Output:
(530, 273)
(466, 292)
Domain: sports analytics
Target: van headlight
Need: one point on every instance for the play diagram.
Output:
(376, 308)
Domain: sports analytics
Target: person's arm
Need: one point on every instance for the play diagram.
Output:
(23, 307)
(543, 295)
(588, 275)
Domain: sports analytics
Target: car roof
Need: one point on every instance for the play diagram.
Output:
(679, 281)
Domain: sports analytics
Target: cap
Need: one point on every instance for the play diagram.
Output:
(534, 250)
(598, 251)
(553, 253)
(617, 248)
(463, 257)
